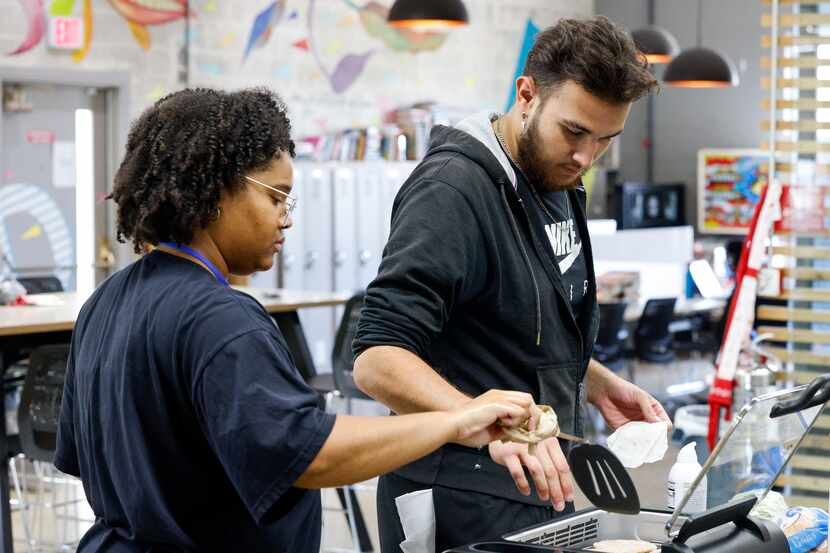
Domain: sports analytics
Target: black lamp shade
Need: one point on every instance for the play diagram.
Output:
(428, 14)
(657, 44)
(701, 68)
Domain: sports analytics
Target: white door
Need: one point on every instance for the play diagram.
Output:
(53, 173)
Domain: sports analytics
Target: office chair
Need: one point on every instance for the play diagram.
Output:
(652, 339)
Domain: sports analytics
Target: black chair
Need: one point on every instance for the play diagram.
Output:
(341, 355)
(41, 284)
(652, 338)
(40, 401)
(609, 348)
(15, 363)
(38, 416)
(340, 383)
(342, 373)
(700, 336)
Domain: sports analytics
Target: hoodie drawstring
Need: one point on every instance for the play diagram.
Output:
(518, 237)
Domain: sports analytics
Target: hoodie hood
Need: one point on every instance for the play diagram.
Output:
(474, 138)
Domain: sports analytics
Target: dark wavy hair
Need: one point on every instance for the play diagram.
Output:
(594, 53)
(188, 148)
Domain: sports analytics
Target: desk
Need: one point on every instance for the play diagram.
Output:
(29, 326)
(683, 308)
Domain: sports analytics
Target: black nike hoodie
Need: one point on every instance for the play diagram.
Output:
(470, 284)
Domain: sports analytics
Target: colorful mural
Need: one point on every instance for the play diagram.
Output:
(36, 23)
(35, 201)
(341, 74)
(264, 24)
(139, 15)
(337, 62)
(373, 18)
(142, 13)
(348, 68)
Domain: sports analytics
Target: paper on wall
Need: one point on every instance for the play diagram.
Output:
(63, 164)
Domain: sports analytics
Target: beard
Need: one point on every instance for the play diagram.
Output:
(532, 160)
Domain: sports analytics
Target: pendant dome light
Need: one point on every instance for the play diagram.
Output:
(701, 67)
(656, 43)
(428, 14)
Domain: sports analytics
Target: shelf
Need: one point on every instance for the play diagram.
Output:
(805, 104)
(801, 252)
(795, 2)
(825, 233)
(803, 358)
(797, 40)
(796, 19)
(801, 336)
(804, 294)
(802, 146)
(774, 313)
(820, 168)
(806, 126)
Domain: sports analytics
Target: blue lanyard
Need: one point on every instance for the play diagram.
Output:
(190, 251)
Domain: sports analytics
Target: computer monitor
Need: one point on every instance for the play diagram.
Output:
(640, 205)
(706, 280)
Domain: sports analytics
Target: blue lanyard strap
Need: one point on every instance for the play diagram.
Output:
(190, 251)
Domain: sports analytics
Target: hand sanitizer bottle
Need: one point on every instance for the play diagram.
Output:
(681, 476)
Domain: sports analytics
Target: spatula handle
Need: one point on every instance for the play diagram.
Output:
(572, 438)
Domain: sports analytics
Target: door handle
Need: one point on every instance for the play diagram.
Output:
(340, 258)
(311, 259)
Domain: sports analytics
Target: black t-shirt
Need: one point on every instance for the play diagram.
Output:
(558, 223)
(186, 419)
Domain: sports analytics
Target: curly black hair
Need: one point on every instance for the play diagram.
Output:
(188, 148)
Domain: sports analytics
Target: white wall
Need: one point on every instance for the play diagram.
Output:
(473, 68)
(153, 72)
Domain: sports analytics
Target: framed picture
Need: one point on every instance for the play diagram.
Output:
(729, 184)
(639, 205)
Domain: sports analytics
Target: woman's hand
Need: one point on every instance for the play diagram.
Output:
(476, 421)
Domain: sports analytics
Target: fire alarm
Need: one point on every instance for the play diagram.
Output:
(66, 33)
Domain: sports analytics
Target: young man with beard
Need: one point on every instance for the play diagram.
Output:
(487, 281)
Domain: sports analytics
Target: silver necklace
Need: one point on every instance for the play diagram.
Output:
(503, 144)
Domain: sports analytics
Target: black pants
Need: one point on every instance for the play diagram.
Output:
(461, 517)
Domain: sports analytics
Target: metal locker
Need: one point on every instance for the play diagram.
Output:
(293, 250)
(394, 175)
(266, 279)
(318, 323)
(370, 223)
(345, 254)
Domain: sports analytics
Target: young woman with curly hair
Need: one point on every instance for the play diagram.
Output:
(183, 413)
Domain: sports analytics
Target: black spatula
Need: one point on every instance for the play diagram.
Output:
(602, 477)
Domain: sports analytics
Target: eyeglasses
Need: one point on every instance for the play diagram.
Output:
(290, 201)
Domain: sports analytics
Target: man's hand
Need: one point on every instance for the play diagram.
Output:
(620, 401)
(548, 467)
